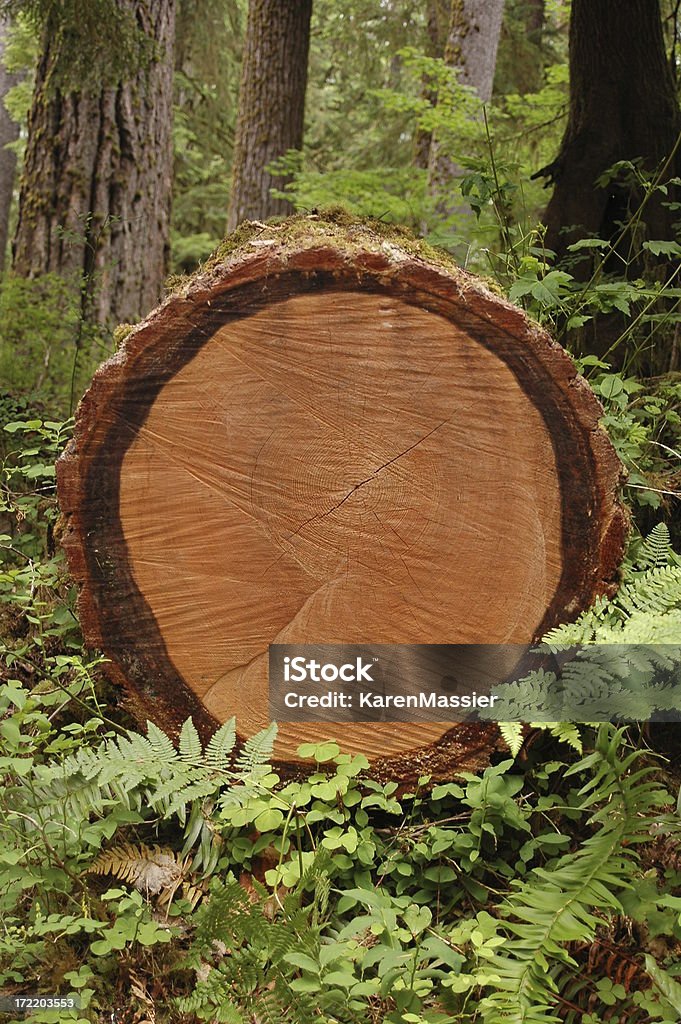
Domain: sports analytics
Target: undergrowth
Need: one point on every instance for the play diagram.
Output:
(163, 882)
(185, 882)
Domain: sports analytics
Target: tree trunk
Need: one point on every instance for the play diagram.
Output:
(95, 192)
(328, 439)
(535, 17)
(623, 106)
(533, 56)
(472, 41)
(9, 133)
(271, 104)
(437, 36)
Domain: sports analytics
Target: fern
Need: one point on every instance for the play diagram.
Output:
(627, 658)
(253, 982)
(148, 775)
(221, 745)
(565, 732)
(151, 870)
(190, 744)
(657, 548)
(253, 759)
(512, 735)
(553, 907)
(651, 588)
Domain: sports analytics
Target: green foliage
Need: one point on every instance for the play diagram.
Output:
(627, 652)
(47, 349)
(564, 904)
(207, 61)
(651, 587)
(95, 42)
(355, 53)
(643, 421)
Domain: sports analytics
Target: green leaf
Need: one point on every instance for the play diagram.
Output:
(221, 745)
(303, 961)
(663, 248)
(344, 979)
(269, 820)
(417, 919)
(668, 986)
(305, 985)
(588, 243)
(319, 751)
(11, 732)
(576, 321)
(610, 385)
(190, 744)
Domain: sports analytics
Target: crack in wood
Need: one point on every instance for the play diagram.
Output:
(323, 515)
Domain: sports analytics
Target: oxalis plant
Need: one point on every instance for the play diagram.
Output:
(177, 882)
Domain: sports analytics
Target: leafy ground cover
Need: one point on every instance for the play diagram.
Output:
(175, 883)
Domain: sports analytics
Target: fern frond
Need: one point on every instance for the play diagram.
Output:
(655, 590)
(652, 586)
(190, 744)
(553, 907)
(149, 869)
(161, 745)
(221, 745)
(146, 773)
(152, 870)
(254, 757)
(512, 735)
(657, 548)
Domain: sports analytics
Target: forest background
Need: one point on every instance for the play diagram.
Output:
(134, 132)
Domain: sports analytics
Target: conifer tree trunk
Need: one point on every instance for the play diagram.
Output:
(535, 18)
(9, 132)
(436, 24)
(471, 48)
(472, 41)
(623, 106)
(95, 192)
(271, 104)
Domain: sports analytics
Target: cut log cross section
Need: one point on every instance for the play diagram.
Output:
(328, 438)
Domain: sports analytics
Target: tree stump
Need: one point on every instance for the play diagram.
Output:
(331, 434)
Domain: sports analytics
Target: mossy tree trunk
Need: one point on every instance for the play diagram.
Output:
(271, 104)
(95, 193)
(623, 106)
(471, 48)
(437, 17)
(9, 132)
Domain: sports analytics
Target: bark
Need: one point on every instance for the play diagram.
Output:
(95, 192)
(472, 41)
(623, 106)
(535, 18)
(265, 461)
(437, 37)
(471, 48)
(271, 104)
(9, 133)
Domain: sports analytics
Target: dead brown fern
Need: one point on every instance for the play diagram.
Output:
(152, 870)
